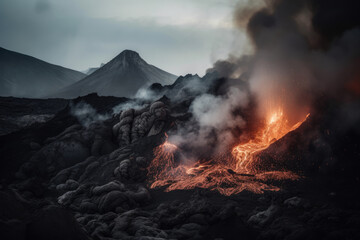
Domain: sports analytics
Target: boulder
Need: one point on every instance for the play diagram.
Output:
(110, 186)
(111, 200)
(262, 218)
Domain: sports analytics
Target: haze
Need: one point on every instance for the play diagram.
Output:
(179, 36)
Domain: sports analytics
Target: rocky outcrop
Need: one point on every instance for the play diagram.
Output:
(98, 174)
(136, 124)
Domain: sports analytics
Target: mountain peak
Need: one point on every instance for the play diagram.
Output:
(123, 76)
(128, 54)
(126, 58)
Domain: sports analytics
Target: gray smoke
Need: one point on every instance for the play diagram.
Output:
(213, 122)
(134, 104)
(296, 58)
(86, 114)
(184, 87)
(296, 61)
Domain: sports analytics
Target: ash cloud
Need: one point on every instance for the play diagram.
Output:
(296, 61)
(215, 106)
(301, 54)
(303, 50)
(233, 67)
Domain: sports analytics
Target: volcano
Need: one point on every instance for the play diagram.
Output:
(263, 146)
(26, 76)
(122, 76)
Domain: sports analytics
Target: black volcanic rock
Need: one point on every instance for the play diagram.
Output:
(108, 195)
(185, 87)
(25, 76)
(122, 77)
(17, 113)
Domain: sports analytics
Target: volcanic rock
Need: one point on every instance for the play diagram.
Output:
(111, 186)
(264, 217)
(112, 200)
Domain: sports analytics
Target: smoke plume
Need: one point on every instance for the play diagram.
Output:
(213, 123)
(303, 51)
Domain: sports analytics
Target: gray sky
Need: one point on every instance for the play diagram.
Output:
(179, 36)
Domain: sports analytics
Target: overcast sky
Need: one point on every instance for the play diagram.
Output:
(179, 36)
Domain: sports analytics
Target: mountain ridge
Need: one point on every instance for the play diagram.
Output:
(22, 75)
(122, 76)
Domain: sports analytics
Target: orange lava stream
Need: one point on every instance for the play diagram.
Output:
(276, 127)
(225, 174)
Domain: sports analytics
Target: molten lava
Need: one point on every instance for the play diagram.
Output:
(275, 128)
(228, 174)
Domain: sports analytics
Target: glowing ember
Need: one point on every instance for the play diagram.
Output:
(229, 174)
(163, 164)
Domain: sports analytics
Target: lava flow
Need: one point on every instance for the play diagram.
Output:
(228, 174)
(275, 128)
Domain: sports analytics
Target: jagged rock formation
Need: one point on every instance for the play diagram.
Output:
(135, 124)
(98, 174)
(93, 174)
(184, 87)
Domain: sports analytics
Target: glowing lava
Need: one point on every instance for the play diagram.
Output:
(275, 128)
(228, 174)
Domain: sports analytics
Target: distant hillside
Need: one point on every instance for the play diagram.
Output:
(91, 70)
(122, 76)
(26, 76)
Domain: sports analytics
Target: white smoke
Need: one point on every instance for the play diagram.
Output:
(86, 114)
(213, 121)
(183, 88)
(189, 87)
(134, 104)
(217, 111)
(145, 93)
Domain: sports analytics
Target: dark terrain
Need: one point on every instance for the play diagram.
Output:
(82, 167)
(17, 113)
(63, 179)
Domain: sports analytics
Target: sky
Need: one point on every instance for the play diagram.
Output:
(179, 36)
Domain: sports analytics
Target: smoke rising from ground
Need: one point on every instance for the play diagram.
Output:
(183, 88)
(86, 114)
(214, 119)
(134, 104)
(298, 59)
(300, 52)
